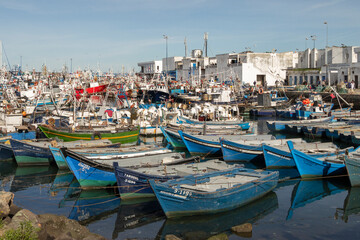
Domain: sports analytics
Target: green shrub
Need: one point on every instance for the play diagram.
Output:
(26, 231)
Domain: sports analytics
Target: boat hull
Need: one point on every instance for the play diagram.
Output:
(120, 137)
(311, 167)
(88, 173)
(353, 169)
(234, 152)
(173, 138)
(27, 155)
(177, 202)
(198, 146)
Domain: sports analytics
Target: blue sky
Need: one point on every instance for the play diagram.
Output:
(116, 33)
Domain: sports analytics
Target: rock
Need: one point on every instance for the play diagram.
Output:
(21, 216)
(171, 237)
(62, 228)
(14, 209)
(243, 228)
(6, 199)
(221, 236)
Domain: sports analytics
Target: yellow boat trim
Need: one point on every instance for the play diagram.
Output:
(62, 135)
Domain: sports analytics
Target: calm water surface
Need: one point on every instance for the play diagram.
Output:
(319, 209)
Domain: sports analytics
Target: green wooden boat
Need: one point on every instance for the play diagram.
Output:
(124, 136)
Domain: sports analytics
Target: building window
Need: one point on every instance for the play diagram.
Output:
(345, 77)
(290, 80)
(295, 80)
(311, 79)
(301, 80)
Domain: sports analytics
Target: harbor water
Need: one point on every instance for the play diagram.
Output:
(296, 209)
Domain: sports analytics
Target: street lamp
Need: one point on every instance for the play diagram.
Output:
(166, 38)
(313, 37)
(306, 39)
(327, 31)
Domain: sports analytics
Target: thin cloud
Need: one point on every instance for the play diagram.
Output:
(24, 6)
(325, 4)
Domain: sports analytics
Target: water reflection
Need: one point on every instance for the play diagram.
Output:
(308, 191)
(203, 227)
(93, 205)
(351, 205)
(62, 181)
(26, 177)
(136, 213)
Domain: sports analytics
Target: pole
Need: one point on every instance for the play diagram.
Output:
(326, 56)
(166, 39)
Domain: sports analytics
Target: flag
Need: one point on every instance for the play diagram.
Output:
(332, 95)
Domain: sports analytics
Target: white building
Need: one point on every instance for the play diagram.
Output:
(249, 67)
(150, 69)
(312, 67)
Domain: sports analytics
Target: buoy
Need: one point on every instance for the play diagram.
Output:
(24, 114)
(261, 91)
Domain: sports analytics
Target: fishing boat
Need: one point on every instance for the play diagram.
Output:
(6, 151)
(133, 183)
(195, 194)
(243, 125)
(249, 150)
(173, 137)
(123, 136)
(311, 167)
(210, 145)
(31, 153)
(280, 156)
(100, 173)
(215, 225)
(37, 152)
(353, 170)
(281, 125)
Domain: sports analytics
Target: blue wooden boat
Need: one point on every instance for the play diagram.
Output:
(353, 170)
(234, 152)
(308, 191)
(100, 173)
(214, 224)
(281, 125)
(243, 125)
(311, 167)
(173, 137)
(279, 157)
(27, 154)
(88, 172)
(6, 152)
(22, 135)
(195, 194)
(58, 157)
(133, 183)
(199, 146)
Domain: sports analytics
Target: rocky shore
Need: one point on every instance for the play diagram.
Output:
(23, 224)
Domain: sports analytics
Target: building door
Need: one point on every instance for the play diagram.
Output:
(356, 81)
(260, 79)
